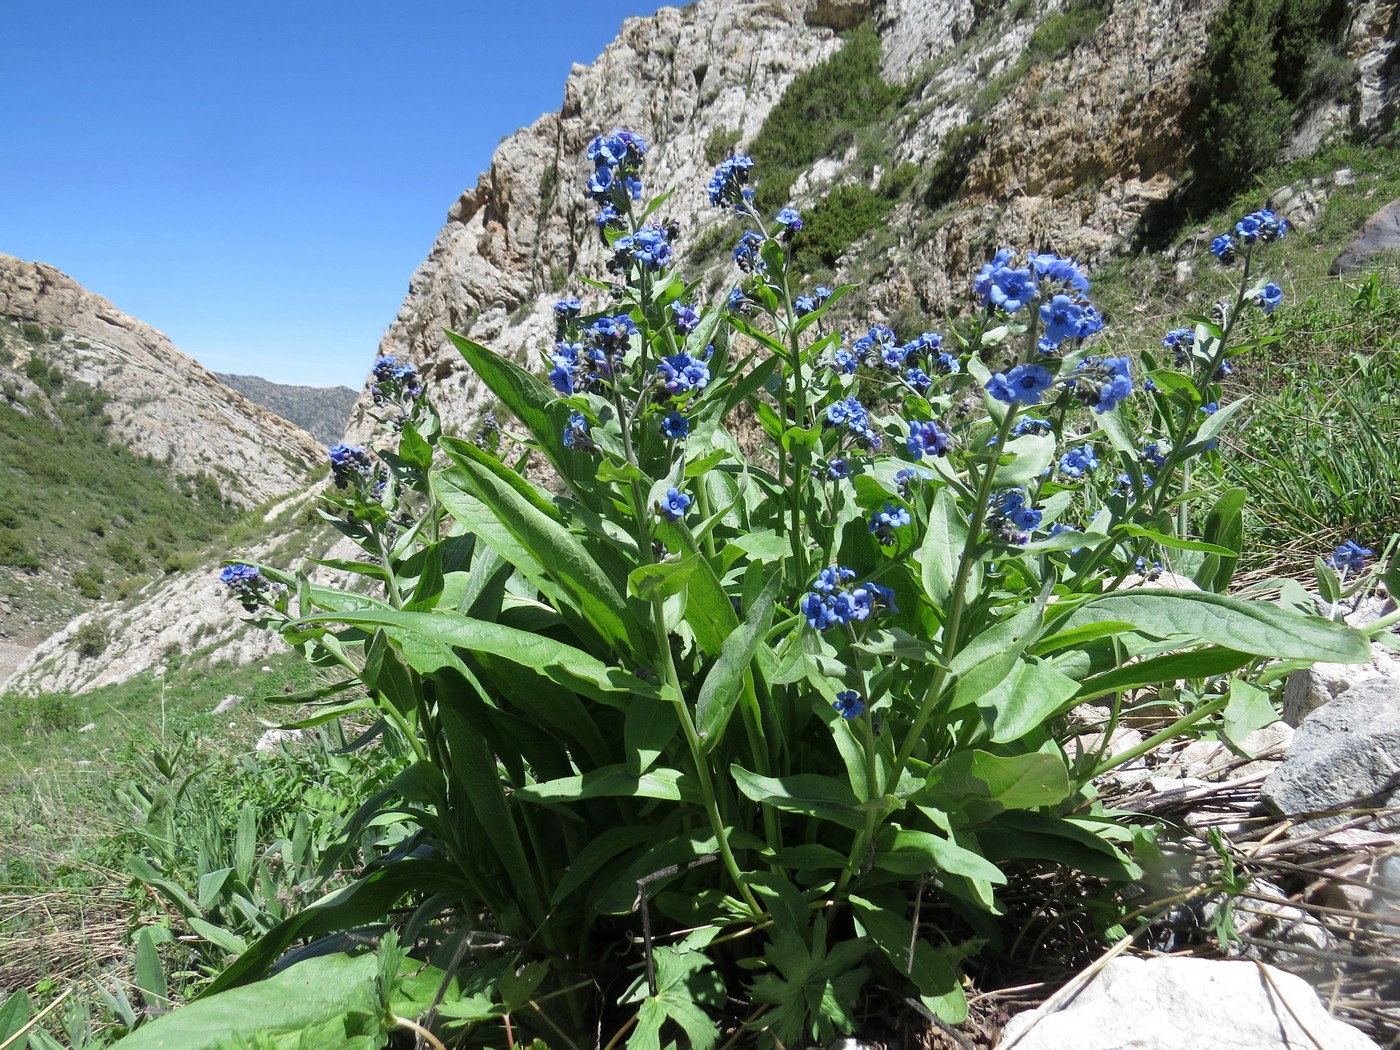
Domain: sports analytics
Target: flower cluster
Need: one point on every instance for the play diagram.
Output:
(350, 465)
(1101, 382)
(852, 415)
(1011, 518)
(394, 381)
(746, 252)
(246, 583)
(833, 602)
(1077, 462)
(1258, 227)
(729, 184)
(790, 220)
(884, 522)
(617, 163)
(649, 248)
(590, 362)
(576, 434)
(810, 304)
(680, 374)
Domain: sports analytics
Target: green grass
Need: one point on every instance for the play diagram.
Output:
(81, 516)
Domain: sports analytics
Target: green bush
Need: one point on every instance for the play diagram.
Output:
(14, 552)
(90, 640)
(720, 144)
(1060, 32)
(33, 333)
(820, 111)
(88, 580)
(958, 149)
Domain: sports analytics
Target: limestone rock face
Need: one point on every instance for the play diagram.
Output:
(162, 402)
(499, 263)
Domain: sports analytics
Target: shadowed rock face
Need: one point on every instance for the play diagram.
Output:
(162, 403)
(1380, 234)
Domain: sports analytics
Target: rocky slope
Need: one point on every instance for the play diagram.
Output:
(1071, 153)
(162, 402)
(321, 411)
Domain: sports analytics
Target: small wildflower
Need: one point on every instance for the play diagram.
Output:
(1030, 425)
(1153, 455)
(905, 479)
(848, 704)
(568, 307)
(680, 374)
(804, 305)
(746, 251)
(685, 317)
(675, 505)
(1349, 557)
(1102, 383)
(1077, 462)
(1024, 384)
(837, 468)
(927, 438)
(674, 425)
(1269, 297)
(350, 464)
(884, 522)
(790, 220)
(728, 182)
(576, 434)
(246, 582)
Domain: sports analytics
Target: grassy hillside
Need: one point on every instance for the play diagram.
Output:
(82, 518)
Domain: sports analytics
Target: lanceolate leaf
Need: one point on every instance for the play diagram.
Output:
(725, 682)
(1249, 627)
(558, 558)
(558, 662)
(938, 983)
(944, 540)
(808, 793)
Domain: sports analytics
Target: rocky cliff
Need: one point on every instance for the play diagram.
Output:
(1067, 147)
(319, 410)
(162, 402)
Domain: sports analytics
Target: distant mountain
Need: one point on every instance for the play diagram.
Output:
(322, 411)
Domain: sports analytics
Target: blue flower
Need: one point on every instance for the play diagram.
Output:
(821, 293)
(1152, 454)
(1056, 269)
(1350, 557)
(738, 301)
(246, 582)
(927, 438)
(1059, 528)
(684, 317)
(906, 478)
(616, 147)
(1269, 297)
(1061, 318)
(918, 379)
(727, 183)
(851, 414)
(576, 433)
(746, 252)
(1010, 506)
(848, 704)
(790, 220)
(1223, 248)
(884, 522)
(674, 425)
(350, 464)
(1030, 425)
(832, 577)
(675, 505)
(1024, 384)
(982, 283)
(845, 362)
(648, 247)
(1102, 383)
(681, 373)
(568, 307)
(1078, 461)
(804, 305)
(1011, 288)
(837, 468)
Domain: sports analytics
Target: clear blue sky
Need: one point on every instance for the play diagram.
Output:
(259, 180)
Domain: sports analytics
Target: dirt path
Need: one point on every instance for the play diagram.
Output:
(11, 656)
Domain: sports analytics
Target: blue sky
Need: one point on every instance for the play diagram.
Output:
(260, 180)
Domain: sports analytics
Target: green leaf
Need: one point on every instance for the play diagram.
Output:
(661, 579)
(937, 981)
(150, 977)
(907, 852)
(1024, 700)
(614, 782)
(14, 1015)
(1211, 428)
(1173, 542)
(542, 548)
(1169, 667)
(1249, 708)
(809, 793)
(944, 542)
(725, 682)
(1026, 781)
(646, 730)
(595, 855)
(413, 450)
(1021, 835)
(217, 935)
(1249, 627)
(1224, 526)
(302, 997)
(560, 663)
(1033, 454)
